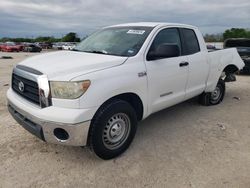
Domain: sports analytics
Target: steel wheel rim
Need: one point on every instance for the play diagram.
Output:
(216, 94)
(116, 131)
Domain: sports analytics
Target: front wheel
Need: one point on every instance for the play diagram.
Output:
(112, 129)
(215, 97)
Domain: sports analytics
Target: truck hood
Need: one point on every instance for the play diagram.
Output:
(66, 65)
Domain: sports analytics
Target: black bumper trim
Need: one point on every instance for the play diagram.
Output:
(27, 124)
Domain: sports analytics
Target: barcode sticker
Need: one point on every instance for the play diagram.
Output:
(136, 32)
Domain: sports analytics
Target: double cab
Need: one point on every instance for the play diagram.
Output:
(95, 94)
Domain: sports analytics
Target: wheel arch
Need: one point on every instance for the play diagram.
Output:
(133, 99)
(230, 69)
(220, 73)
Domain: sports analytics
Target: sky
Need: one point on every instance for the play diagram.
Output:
(32, 18)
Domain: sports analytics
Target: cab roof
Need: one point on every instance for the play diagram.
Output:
(153, 24)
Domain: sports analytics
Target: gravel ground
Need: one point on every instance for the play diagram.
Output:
(187, 145)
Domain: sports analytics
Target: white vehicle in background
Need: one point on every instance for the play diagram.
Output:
(96, 94)
(68, 46)
(57, 46)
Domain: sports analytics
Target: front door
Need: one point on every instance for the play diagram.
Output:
(167, 78)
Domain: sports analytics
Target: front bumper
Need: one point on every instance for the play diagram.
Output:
(78, 133)
(43, 122)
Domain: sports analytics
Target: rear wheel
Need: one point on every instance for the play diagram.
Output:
(215, 97)
(112, 129)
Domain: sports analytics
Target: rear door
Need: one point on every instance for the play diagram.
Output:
(198, 65)
(167, 77)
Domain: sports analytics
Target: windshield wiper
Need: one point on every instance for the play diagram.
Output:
(75, 50)
(97, 52)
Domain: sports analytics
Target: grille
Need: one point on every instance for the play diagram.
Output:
(30, 91)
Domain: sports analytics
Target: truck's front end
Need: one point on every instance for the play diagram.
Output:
(89, 96)
(30, 103)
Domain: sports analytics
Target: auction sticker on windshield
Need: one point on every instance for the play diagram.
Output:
(136, 32)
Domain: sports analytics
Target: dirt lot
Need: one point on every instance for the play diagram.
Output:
(187, 145)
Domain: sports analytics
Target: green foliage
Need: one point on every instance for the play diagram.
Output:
(46, 39)
(236, 33)
(71, 37)
(6, 39)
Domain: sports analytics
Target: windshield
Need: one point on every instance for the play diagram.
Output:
(120, 41)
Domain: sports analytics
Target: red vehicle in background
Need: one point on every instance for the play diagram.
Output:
(1, 45)
(11, 47)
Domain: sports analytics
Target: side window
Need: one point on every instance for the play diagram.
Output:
(167, 36)
(191, 41)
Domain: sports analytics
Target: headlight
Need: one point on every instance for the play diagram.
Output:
(68, 90)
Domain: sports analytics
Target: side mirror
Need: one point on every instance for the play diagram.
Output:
(164, 51)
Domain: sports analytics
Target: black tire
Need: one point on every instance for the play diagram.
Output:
(119, 114)
(208, 99)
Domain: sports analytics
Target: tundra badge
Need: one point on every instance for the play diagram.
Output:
(141, 74)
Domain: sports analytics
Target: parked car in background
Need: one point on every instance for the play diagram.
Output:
(11, 47)
(243, 48)
(1, 46)
(32, 48)
(45, 45)
(211, 47)
(217, 45)
(68, 46)
(57, 46)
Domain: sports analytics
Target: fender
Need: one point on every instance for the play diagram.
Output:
(218, 61)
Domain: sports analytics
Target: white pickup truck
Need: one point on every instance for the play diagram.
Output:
(95, 95)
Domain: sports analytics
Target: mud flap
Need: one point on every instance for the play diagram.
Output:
(230, 78)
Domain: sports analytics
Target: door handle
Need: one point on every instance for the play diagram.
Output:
(183, 64)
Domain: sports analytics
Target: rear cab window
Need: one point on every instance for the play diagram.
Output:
(190, 41)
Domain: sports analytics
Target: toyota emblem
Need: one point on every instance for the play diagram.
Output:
(21, 86)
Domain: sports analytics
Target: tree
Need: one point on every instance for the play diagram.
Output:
(71, 37)
(46, 39)
(236, 33)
